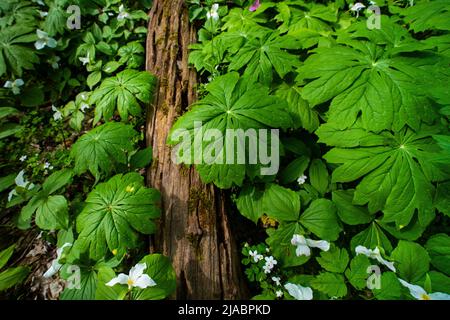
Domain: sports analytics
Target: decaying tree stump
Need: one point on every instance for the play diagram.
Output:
(194, 230)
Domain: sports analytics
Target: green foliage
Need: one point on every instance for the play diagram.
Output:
(15, 52)
(115, 212)
(51, 210)
(11, 276)
(123, 92)
(366, 152)
(101, 150)
(61, 91)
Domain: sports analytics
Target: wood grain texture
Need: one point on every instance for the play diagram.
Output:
(194, 228)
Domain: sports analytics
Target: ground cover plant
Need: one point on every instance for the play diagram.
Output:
(357, 93)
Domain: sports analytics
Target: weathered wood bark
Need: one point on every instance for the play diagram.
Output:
(194, 229)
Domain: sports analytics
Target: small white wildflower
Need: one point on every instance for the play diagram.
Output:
(85, 60)
(279, 293)
(270, 264)
(213, 13)
(44, 40)
(48, 166)
(301, 180)
(276, 280)
(23, 158)
(123, 14)
(14, 85)
(57, 115)
(43, 14)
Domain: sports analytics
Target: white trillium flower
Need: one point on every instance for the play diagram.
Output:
(57, 115)
(299, 292)
(136, 278)
(302, 179)
(23, 158)
(276, 280)
(357, 7)
(304, 245)
(14, 85)
(214, 12)
(256, 257)
(84, 106)
(54, 268)
(279, 293)
(44, 40)
(22, 183)
(123, 14)
(85, 60)
(419, 293)
(374, 254)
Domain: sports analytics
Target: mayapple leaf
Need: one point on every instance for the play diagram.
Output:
(116, 212)
(123, 93)
(363, 80)
(229, 107)
(396, 170)
(102, 149)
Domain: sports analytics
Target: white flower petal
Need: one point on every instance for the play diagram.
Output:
(144, 281)
(298, 240)
(363, 250)
(137, 271)
(41, 34)
(11, 194)
(53, 269)
(388, 264)
(321, 244)
(52, 43)
(120, 279)
(416, 291)
(439, 296)
(40, 44)
(303, 250)
(8, 84)
(59, 251)
(299, 292)
(19, 180)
